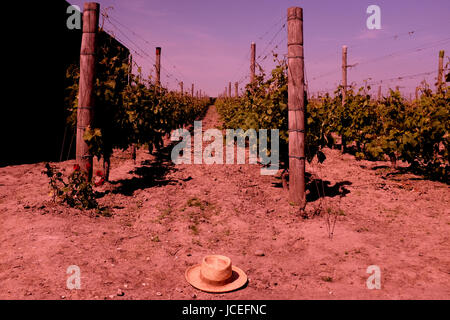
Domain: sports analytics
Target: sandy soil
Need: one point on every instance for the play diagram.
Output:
(166, 218)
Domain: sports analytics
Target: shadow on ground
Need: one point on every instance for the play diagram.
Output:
(318, 188)
(413, 173)
(151, 173)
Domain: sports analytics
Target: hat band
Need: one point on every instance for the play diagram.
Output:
(215, 282)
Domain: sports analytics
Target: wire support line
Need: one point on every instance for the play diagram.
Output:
(265, 52)
(406, 51)
(391, 55)
(137, 48)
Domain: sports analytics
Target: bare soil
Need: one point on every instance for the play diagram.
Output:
(165, 218)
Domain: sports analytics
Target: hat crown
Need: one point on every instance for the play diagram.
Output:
(216, 268)
(216, 274)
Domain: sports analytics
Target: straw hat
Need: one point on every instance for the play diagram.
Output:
(216, 274)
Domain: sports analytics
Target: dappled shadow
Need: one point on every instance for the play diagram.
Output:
(350, 149)
(316, 188)
(418, 174)
(283, 179)
(380, 167)
(277, 184)
(151, 173)
(319, 188)
(411, 173)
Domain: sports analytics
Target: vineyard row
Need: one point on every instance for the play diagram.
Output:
(377, 129)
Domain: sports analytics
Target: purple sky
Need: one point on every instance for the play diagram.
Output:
(207, 42)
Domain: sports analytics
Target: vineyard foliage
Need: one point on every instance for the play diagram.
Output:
(390, 128)
(129, 110)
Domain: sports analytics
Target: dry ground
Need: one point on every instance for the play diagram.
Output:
(166, 218)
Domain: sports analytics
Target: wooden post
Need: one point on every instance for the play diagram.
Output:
(197, 94)
(379, 93)
(130, 70)
(229, 89)
(344, 90)
(252, 62)
(158, 66)
(192, 91)
(86, 96)
(344, 74)
(225, 92)
(296, 107)
(441, 69)
(181, 87)
(236, 89)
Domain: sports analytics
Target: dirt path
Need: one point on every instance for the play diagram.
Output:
(166, 218)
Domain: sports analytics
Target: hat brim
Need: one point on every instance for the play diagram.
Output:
(239, 279)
